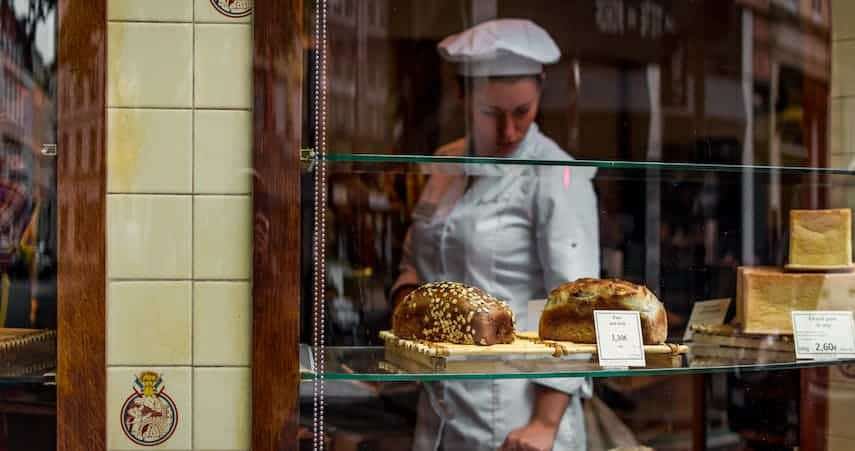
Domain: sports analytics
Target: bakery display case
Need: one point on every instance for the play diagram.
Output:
(630, 218)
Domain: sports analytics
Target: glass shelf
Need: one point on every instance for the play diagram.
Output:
(369, 363)
(600, 164)
(36, 374)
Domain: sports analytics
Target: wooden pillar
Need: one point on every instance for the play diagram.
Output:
(277, 123)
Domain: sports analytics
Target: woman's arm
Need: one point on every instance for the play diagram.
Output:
(539, 433)
(408, 279)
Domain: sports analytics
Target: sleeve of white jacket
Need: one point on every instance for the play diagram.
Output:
(408, 274)
(567, 238)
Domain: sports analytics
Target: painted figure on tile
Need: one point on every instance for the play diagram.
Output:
(233, 8)
(149, 415)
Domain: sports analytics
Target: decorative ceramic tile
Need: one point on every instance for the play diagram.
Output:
(151, 10)
(222, 408)
(223, 66)
(843, 69)
(223, 152)
(149, 408)
(222, 237)
(149, 151)
(222, 323)
(224, 11)
(149, 323)
(149, 65)
(149, 236)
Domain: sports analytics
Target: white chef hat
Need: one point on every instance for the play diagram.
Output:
(501, 47)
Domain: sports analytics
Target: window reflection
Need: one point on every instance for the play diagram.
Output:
(28, 240)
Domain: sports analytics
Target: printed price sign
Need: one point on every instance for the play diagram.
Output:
(824, 334)
(710, 312)
(619, 340)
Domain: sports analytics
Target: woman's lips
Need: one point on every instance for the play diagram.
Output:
(507, 148)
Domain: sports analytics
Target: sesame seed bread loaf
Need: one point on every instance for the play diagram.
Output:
(569, 311)
(452, 312)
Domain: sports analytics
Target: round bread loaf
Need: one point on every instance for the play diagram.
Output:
(569, 311)
(452, 312)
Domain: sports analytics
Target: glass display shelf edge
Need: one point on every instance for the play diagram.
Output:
(369, 364)
(600, 164)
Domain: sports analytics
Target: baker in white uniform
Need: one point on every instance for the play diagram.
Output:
(516, 231)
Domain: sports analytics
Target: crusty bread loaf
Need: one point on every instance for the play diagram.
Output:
(569, 311)
(821, 237)
(453, 313)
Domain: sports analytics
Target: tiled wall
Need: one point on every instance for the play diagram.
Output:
(841, 396)
(178, 232)
(842, 132)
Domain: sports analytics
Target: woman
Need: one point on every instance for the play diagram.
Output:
(516, 231)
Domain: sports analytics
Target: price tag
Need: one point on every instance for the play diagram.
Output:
(711, 312)
(824, 334)
(619, 339)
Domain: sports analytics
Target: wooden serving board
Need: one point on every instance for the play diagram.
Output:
(456, 357)
(527, 346)
(730, 336)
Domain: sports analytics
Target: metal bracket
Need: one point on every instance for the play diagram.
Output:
(308, 157)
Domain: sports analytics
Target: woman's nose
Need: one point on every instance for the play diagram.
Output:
(507, 128)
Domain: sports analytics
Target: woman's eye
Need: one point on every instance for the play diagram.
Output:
(521, 112)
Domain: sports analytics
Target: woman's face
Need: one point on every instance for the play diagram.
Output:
(501, 112)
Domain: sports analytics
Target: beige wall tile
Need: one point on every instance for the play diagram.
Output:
(223, 155)
(841, 403)
(222, 323)
(842, 127)
(176, 384)
(221, 237)
(149, 65)
(149, 236)
(151, 10)
(206, 12)
(840, 444)
(843, 68)
(835, 131)
(149, 323)
(221, 408)
(842, 19)
(841, 161)
(149, 151)
(223, 66)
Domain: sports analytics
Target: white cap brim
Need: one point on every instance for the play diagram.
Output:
(506, 64)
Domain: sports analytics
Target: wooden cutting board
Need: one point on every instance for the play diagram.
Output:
(527, 346)
(455, 357)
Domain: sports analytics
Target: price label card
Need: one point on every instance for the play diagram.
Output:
(711, 312)
(619, 339)
(824, 334)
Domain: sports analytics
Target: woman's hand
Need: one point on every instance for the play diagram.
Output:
(535, 436)
(539, 433)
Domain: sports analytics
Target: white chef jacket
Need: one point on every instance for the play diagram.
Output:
(518, 232)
